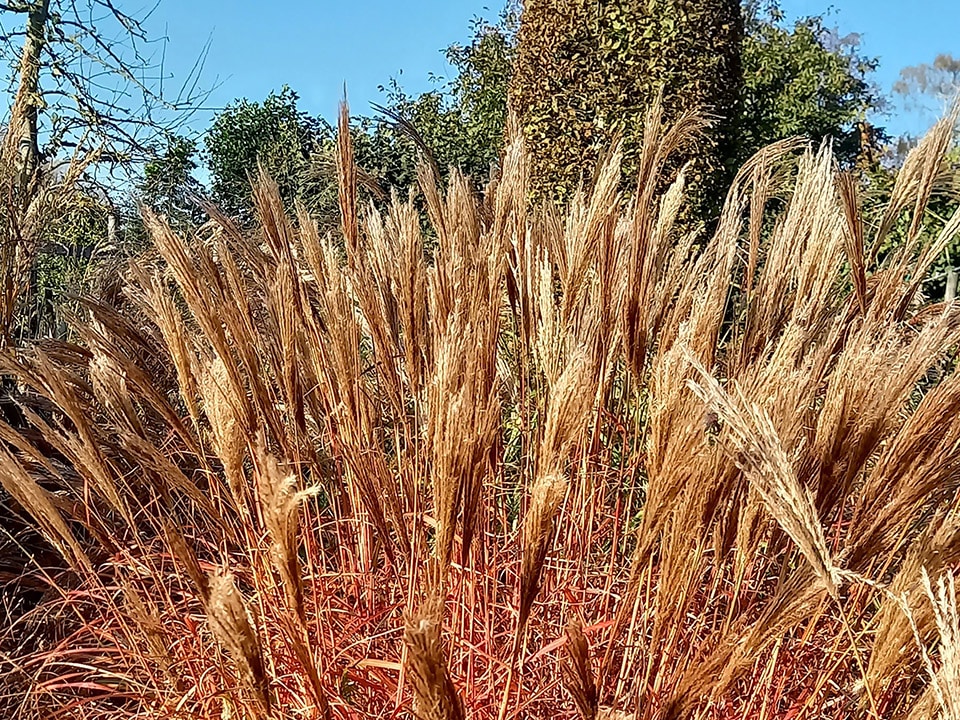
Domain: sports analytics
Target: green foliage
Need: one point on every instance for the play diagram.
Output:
(578, 73)
(944, 202)
(274, 134)
(476, 99)
(168, 186)
(63, 262)
(461, 122)
(803, 80)
(586, 72)
(925, 89)
(943, 205)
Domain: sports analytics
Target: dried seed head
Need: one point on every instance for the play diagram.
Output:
(577, 674)
(434, 695)
(231, 624)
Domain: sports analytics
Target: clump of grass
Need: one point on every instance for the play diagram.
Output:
(584, 463)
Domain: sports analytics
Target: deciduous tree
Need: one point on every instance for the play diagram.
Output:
(274, 134)
(805, 79)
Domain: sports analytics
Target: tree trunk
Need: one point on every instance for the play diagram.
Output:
(951, 294)
(112, 230)
(22, 135)
(20, 158)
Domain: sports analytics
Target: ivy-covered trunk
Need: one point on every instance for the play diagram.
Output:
(586, 72)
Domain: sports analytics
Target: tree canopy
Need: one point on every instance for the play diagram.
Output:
(274, 134)
(578, 74)
(804, 79)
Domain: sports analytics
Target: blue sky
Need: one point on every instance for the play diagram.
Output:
(315, 46)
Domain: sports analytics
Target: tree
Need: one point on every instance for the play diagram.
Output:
(460, 123)
(168, 186)
(274, 134)
(930, 86)
(88, 97)
(73, 244)
(804, 80)
(586, 72)
(801, 79)
(87, 80)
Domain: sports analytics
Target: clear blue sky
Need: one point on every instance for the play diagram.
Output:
(316, 45)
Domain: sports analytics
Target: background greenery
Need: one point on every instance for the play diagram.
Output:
(577, 74)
